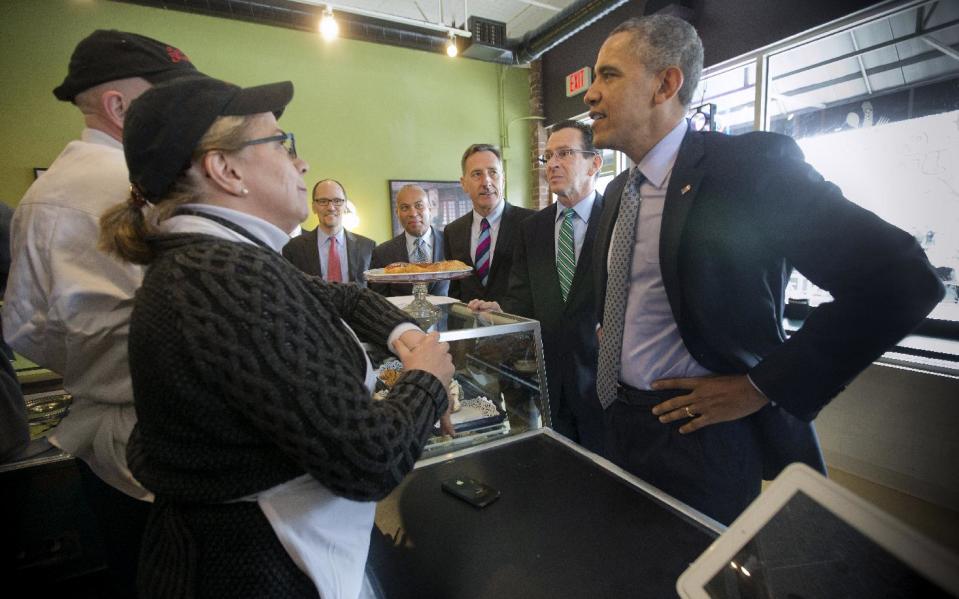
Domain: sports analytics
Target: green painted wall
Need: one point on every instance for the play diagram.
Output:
(363, 113)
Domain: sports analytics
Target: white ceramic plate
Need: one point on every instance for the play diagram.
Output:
(378, 276)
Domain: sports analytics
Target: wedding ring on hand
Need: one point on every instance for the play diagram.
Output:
(689, 414)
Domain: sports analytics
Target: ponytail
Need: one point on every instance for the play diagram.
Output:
(123, 231)
(125, 228)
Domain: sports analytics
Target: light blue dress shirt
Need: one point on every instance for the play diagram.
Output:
(494, 219)
(427, 244)
(652, 346)
(323, 245)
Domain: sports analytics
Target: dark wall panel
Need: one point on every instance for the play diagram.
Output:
(729, 28)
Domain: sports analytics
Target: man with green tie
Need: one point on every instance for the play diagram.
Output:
(552, 281)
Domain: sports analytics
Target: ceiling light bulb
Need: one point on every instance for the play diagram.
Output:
(451, 50)
(329, 29)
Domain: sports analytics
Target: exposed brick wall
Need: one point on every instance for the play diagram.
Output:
(539, 192)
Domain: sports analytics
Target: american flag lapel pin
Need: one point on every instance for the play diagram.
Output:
(686, 188)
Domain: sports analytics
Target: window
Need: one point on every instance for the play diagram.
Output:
(733, 93)
(874, 105)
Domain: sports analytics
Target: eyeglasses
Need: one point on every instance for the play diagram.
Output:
(564, 154)
(327, 201)
(287, 139)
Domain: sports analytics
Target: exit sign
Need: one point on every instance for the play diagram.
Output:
(578, 81)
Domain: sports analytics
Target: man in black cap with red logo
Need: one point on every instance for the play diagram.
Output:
(67, 304)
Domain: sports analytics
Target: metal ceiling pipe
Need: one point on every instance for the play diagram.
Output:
(563, 27)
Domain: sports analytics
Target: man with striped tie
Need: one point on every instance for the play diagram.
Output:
(552, 281)
(483, 238)
(419, 242)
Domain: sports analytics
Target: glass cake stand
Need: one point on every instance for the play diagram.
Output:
(420, 308)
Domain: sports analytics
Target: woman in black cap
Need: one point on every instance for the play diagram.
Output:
(256, 430)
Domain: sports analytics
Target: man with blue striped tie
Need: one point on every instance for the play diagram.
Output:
(420, 241)
(484, 237)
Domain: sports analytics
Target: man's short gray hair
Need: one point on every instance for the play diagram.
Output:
(665, 40)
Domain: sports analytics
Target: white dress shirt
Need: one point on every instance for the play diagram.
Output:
(67, 305)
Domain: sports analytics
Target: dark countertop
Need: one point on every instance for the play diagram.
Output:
(566, 525)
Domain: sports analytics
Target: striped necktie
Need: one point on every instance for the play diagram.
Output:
(566, 254)
(482, 260)
(419, 252)
(617, 291)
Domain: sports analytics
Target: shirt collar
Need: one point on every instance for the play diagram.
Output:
(658, 162)
(583, 208)
(322, 237)
(493, 217)
(427, 238)
(266, 232)
(95, 136)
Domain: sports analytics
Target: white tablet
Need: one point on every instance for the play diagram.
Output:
(806, 537)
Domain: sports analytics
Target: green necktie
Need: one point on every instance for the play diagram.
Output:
(566, 254)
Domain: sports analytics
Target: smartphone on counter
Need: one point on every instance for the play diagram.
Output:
(470, 490)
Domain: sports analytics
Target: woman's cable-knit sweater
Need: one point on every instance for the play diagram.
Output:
(245, 377)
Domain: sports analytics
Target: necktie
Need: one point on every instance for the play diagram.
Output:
(617, 291)
(419, 252)
(482, 252)
(566, 254)
(335, 274)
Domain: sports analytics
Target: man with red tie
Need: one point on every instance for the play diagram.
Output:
(484, 237)
(329, 250)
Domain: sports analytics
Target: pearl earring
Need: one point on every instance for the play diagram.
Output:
(244, 191)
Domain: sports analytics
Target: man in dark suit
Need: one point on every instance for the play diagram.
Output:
(552, 281)
(704, 395)
(484, 237)
(329, 250)
(419, 242)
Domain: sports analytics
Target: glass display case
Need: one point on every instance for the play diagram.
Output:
(500, 375)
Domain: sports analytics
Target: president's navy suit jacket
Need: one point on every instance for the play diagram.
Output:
(740, 213)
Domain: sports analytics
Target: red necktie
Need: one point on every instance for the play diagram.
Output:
(333, 264)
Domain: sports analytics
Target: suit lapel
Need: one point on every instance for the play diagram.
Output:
(398, 253)
(604, 235)
(684, 183)
(503, 238)
(543, 255)
(585, 260)
(463, 239)
(352, 255)
(437, 245)
(312, 250)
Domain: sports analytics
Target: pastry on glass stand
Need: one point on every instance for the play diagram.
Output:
(420, 275)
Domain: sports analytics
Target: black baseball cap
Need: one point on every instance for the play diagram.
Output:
(108, 55)
(165, 124)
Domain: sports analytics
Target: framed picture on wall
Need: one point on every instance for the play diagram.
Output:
(448, 201)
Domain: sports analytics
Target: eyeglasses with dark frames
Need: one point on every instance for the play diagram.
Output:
(287, 139)
(564, 154)
(327, 201)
